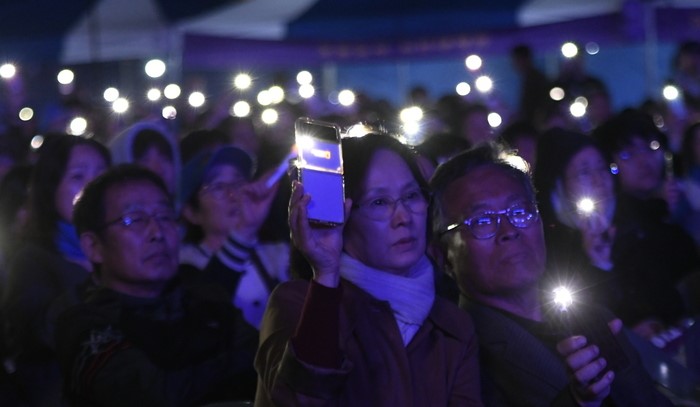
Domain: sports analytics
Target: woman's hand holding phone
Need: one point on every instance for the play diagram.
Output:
(320, 244)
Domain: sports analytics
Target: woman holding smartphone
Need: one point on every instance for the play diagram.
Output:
(368, 329)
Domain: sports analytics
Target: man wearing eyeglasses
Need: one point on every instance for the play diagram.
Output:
(490, 239)
(144, 333)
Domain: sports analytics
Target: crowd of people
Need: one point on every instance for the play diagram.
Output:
(148, 266)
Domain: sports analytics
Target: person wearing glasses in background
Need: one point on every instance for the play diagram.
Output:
(145, 332)
(368, 329)
(223, 210)
(490, 239)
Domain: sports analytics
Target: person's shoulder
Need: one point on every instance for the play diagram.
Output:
(451, 319)
(293, 290)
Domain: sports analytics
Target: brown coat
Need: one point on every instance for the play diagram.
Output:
(439, 367)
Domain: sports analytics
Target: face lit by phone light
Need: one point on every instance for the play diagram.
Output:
(563, 298)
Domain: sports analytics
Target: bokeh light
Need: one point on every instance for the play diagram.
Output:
(592, 48)
(346, 97)
(577, 109)
(557, 93)
(306, 91)
(264, 98)
(7, 71)
(153, 94)
(269, 116)
(242, 81)
(121, 105)
(304, 78)
(240, 108)
(196, 99)
(463, 89)
(169, 112)
(26, 114)
(65, 77)
(276, 94)
(473, 62)
(77, 126)
(172, 91)
(569, 50)
(494, 119)
(483, 84)
(671, 92)
(111, 94)
(36, 141)
(155, 68)
(411, 114)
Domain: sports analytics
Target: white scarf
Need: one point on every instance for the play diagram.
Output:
(410, 297)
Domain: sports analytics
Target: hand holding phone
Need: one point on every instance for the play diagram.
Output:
(320, 169)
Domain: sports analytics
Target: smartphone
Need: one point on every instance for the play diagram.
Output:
(320, 169)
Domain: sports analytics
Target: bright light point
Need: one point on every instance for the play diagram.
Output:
(592, 48)
(582, 100)
(242, 81)
(7, 71)
(483, 84)
(306, 91)
(463, 89)
(494, 119)
(346, 97)
(155, 68)
(577, 109)
(77, 126)
(169, 112)
(196, 99)
(111, 94)
(473, 62)
(26, 114)
(37, 141)
(411, 128)
(585, 206)
(240, 108)
(517, 162)
(304, 78)
(269, 116)
(276, 94)
(411, 114)
(264, 98)
(172, 91)
(614, 170)
(65, 77)
(557, 93)
(120, 105)
(153, 94)
(671, 92)
(563, 298)
(358, 130)
(654, 145)
(569, 50)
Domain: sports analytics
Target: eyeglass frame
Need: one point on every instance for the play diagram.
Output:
(425, 195)
(229, 188)
(499, 214)
(127, 219)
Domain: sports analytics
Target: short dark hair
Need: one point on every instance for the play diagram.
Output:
(89, 210)
(359, 151)
(487, 154)
(620, 131)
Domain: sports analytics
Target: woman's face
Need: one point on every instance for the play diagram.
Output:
(84, 164)
(218, 202)
(640, 167)
(588, 176)
(394, 243)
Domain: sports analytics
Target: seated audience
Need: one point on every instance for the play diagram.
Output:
(145, 334)
(490, 239)
(368, 330)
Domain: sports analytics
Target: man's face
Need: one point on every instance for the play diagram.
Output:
(140, 258)
(507, 264)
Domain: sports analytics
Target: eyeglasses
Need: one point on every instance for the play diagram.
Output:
(586, 175)
(639, 149)
(222, 190)
(139, 220)
(383, 207)
(485, 225)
